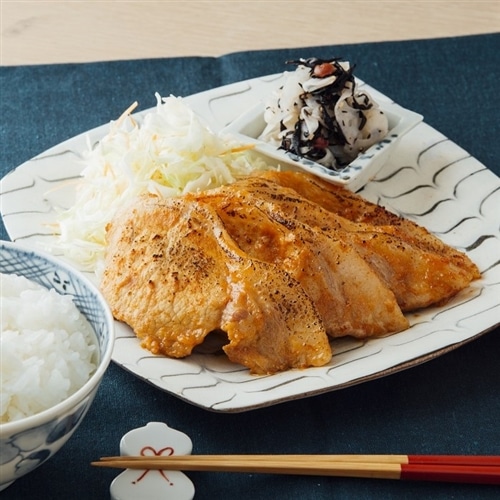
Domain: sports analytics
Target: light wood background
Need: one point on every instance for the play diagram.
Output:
(35, 32)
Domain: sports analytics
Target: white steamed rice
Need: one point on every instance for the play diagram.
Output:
(48, 348)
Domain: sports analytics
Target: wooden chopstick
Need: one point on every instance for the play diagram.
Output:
(450, 468)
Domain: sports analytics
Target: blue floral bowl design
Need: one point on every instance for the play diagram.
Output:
(27, 443)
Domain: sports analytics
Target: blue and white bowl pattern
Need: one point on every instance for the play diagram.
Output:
(28, 443)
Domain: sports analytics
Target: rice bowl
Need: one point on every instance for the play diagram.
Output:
(29, 441)
(47, 348)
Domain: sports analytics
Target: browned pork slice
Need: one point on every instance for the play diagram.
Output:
(349, 296)
(174, 274)
(355, 208)
(332, 197)
(415, 265)
(418, 277)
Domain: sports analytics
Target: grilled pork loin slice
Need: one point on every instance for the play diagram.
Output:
(355, 208)
(415, 265)
(174, 274)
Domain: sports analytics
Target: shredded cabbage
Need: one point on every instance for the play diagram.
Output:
(171, 152)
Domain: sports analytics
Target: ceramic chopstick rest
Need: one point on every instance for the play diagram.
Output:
(154, 439)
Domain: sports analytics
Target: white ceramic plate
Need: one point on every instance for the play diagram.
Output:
(428, 179)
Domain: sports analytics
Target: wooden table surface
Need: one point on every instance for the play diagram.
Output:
(37, 32)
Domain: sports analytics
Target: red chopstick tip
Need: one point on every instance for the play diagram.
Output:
(487, 474)
(483, 460)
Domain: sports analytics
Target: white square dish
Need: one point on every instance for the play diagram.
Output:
(248, 127)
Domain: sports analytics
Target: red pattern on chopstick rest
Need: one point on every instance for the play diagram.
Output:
(145, 452)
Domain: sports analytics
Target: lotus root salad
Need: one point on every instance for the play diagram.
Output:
(320, 114)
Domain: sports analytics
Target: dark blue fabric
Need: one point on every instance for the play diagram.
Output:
(448, 405)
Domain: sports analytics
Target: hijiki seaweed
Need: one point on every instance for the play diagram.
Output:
(320, 114)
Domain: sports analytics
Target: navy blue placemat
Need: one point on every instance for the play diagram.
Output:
(448, 405)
